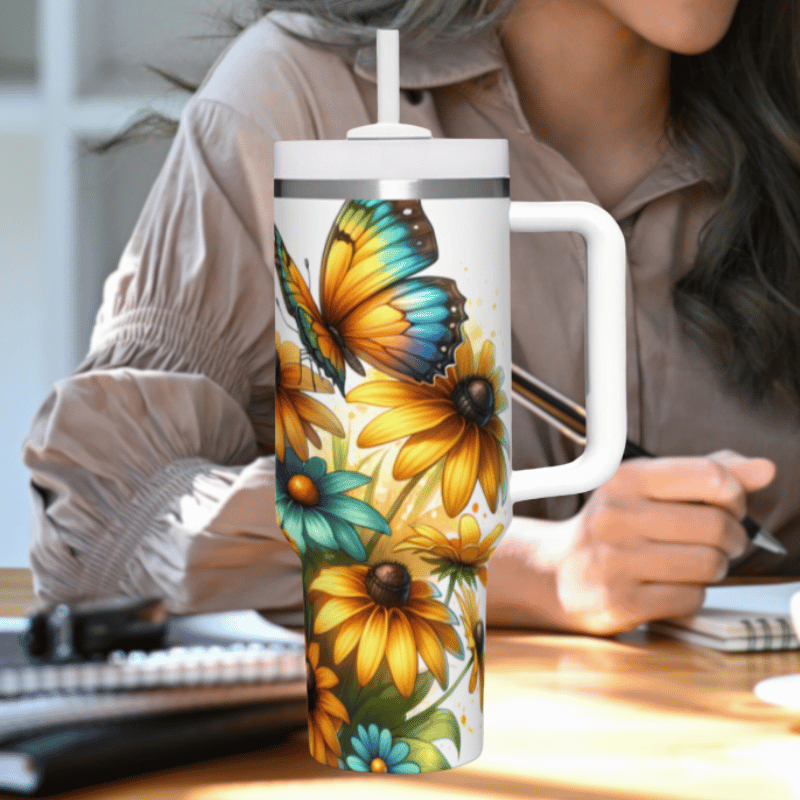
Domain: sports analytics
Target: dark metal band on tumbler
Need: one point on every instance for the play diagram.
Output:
(393, 189)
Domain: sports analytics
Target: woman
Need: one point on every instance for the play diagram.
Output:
(151, 464)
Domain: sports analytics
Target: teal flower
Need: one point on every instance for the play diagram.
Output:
(376, 752)
(314, 511)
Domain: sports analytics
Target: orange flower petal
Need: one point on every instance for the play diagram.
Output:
(280, 442)
(425, 537)
(312, 653)
(465, 360)
(500, 400)
(401, 652)
(451, 553)
(337, 610)
(314, 412)
(293, 428)
(470, 554)
(311, 434)
(429, 609)
(310, 381)
(489, 541)
(288, 353)
(316, 744)
(473, 678)
(447, 636)
(489, 468)
(349, 636)
(486, 360)
(422, 450)
(332, 706)
(420, 590)
(372, 647)
(464, 610)
(469, 530)
(432, 535)
(498, 432)
(291, 376)
(324, 677)
(325, 727)
(482, 575)
(461, 472)
(405, 420)
(389, 394)
(341, 581)
(430, 648)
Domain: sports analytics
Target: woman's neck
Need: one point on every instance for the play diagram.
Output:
(591, 88)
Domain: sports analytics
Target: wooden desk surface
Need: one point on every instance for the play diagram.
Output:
(566, 718)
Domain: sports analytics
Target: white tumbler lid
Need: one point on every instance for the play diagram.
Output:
(388, 150)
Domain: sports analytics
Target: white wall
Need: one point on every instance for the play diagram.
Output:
(22, 327)
(72, 72)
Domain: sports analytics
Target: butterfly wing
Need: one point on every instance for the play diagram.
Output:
(315, 335)
(379, 310)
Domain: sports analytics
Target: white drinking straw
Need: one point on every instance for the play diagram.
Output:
(388, 62)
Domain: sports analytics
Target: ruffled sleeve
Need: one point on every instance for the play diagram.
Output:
(151, 471)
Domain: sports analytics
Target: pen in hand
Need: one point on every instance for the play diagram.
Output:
(570, 418)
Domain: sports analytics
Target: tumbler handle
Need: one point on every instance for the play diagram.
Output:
(606, 411)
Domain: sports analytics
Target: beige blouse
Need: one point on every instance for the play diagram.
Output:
(151, 466)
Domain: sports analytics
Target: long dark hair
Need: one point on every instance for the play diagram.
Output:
(736, 112)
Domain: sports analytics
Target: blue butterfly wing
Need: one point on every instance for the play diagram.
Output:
(372, 299)
(314, 333)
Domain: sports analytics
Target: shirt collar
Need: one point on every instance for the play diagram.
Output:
(425, 67)
(438, 64)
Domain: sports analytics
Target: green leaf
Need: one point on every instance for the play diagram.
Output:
(379, 702)
(369, 492)
(430, 725)
(361, 465)
(433, 482)
(425, 755)
(339, 448)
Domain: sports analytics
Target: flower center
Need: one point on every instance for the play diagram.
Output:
(479, 635)
(311, 688)
(378, 765)
(302, 489)
(388, 584)
(474, 399)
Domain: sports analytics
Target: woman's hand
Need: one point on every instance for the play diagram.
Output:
(644, 547)
(649, 540)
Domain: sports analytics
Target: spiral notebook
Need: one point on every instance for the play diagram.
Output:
(235, 675)
(738, 618)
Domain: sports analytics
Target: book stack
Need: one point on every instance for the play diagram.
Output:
(226, 683)
(738, 618)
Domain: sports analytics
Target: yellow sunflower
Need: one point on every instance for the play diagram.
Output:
(295, 412)
(460, 557)
(386, 614)
(455, 418)
(326, 714)
(476, 638)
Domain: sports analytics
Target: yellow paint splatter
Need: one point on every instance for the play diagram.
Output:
(463, 719)
(494, 306)
(475, 507)
(470, 730)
